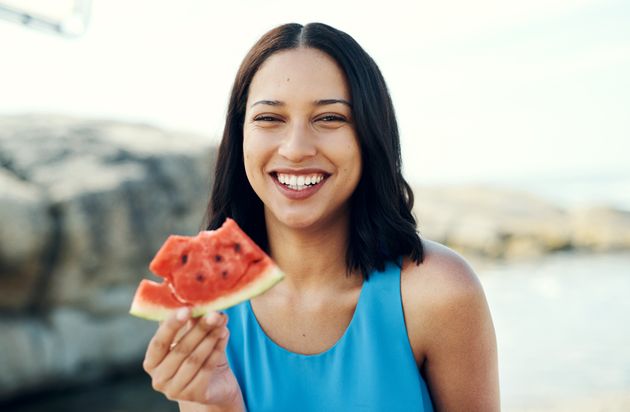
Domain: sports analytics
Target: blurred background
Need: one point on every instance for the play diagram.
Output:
(515, 134)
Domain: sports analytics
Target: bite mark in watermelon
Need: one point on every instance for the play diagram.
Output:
(211, 271)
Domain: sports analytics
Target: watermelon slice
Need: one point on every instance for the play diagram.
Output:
(214, 270)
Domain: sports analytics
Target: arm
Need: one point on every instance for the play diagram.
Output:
(451, 331)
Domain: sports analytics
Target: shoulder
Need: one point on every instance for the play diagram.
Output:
(450, 330)
(443, 287)
(444, 276)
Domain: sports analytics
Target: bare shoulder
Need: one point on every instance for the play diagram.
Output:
(444, 277)
(450, 330)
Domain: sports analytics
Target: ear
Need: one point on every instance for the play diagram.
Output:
(170, 255)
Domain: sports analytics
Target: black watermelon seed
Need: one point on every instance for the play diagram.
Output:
(184, 259)
(224, 274)
(218, 258)
(200, 277)
(237, 247)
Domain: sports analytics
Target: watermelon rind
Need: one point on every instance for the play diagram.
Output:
(264, 281)
(154, 299)
(150, 312)
(269, 277)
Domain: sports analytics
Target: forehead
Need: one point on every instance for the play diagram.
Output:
(298, 74)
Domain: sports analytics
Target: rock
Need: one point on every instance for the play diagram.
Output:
(500, 223)
(492, 222)
(25, 234)
(601, 228)
(84, 205)
(116, 191)
(50, 352)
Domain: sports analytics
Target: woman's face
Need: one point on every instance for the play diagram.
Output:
(300, 147)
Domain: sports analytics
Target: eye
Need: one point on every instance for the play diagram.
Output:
(266, 118)
(332, 118)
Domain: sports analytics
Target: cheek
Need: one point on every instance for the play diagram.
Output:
(247, 161)
(255, 155)
(249, 158)
(355, 163)
(253, 145)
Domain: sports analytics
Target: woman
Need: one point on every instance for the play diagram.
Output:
(369, 317)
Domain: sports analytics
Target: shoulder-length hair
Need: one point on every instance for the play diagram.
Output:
(382, 227)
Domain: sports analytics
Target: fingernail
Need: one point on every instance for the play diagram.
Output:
(182, 314)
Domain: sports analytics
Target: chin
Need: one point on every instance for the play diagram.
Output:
(304, 217)
(296, 222)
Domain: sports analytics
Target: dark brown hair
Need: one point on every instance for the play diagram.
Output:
(382, 227)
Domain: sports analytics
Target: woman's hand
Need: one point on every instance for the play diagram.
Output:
(186, 360)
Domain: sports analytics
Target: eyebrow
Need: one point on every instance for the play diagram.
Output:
(325, 102)
(322, 102)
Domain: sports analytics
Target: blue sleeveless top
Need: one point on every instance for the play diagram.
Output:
(370, 368)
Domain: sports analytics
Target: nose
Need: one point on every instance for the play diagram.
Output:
(299, 143)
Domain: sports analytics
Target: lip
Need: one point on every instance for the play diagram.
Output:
(298, 194)
(299, 172)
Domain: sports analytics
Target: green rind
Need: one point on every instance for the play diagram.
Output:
(270, 277)
(264, 282)
(145, 312)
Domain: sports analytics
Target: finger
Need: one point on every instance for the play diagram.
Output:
(195, 361)
(217, 358)
(160, 344)
(223, 341)
(184, 330)
(176, 356)
(213, 380)
(199, 329)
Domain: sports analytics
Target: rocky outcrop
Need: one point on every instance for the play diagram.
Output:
(25, 230)
(600, 228)
(500, 223)
(68, 346)
(84, 205)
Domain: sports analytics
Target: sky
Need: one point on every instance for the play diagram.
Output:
(483, 90)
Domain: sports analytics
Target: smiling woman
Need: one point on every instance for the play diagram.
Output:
(369, 317)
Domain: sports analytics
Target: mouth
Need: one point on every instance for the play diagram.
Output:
(300, 181)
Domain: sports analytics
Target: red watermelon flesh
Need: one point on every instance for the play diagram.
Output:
(211, 271)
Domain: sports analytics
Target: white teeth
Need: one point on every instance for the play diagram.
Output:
(299, 182)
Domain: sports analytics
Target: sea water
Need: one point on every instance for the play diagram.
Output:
(563, 327)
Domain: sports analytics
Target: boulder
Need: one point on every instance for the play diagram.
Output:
(67, 347)
(600, 228)
(492, 222)
(108, 194)
(25, 235)
(84, 205)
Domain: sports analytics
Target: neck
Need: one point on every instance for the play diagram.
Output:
(311, 258)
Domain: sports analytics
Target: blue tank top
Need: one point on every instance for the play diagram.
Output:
(370, 368)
